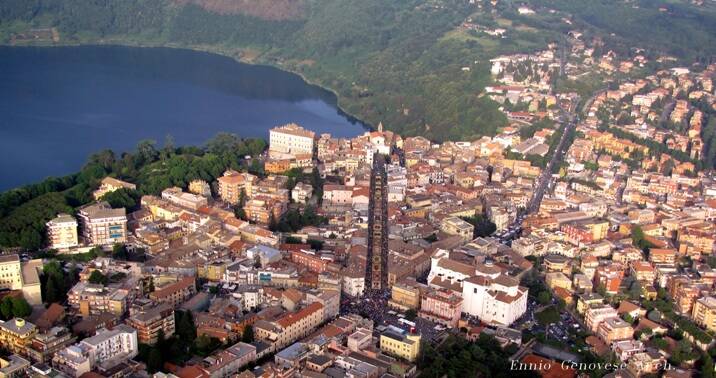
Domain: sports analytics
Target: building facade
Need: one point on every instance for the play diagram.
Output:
(102, 225)
(62, 232)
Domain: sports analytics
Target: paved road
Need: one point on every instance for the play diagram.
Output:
(570, 119)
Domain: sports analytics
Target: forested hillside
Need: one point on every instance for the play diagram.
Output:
(400, 62)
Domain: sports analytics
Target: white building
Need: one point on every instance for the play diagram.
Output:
(353, 283)
(301, 193)
(496, 301)
(291, 139)
(62, 232)
(178, 197)
(107, 348)
(443, 268)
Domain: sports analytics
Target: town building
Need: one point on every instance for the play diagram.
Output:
(16, 335)
(594, 316)
(704, 313)
(93, 299)
(24, 276)
(150, 322)
(178, 197)
(106, 349)
(175, 293)
(615, 329)
(404, 296)
(441, 306)
(110, 184)
(44, 345)
(62, 232)
(399, 343)
(102, 225)
(497, 300)
(233, 186)
(291, 139)
(457, 226)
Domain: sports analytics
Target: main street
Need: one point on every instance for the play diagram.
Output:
(569, 119)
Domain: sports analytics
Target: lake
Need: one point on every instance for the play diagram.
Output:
(60, 104)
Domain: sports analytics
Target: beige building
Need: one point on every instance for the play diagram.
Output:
(200, 187)
(15, 275)
(291, 139)
(558, 279)
(457, 226)
(103, 225)
(110, 184)
(16, 335)
(92, 299)
(290, 327)
(232, 183)
(404, 297)
(62, 232)
(149, 322)
(180, 198)
(704, 313)
(615, 329)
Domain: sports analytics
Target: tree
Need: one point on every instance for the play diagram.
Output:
(51, 295)
(248, 335)
(707, 367)
(411, 314)
(6, 308)
(119, 251)
(544, 298)
(155, 361)
(146, 151)
(185, 326)
(98, 278)
(635, 290)
(20, 308)
(548, 316)
(126, 198)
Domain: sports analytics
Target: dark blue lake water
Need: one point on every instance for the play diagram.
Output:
(60, 104)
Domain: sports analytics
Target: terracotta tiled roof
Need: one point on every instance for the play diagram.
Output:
(292, 318)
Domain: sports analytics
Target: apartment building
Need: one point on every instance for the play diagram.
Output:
(62, 232)
(404, 296)
(102, 225)
(16, 335)
(16, 275)
(594, 316)
(311, 260)
(149, 322)
(615, 329)
(106, 349)
(662, 256)
(301, 193)
(441, 306)
(175, 293)
(457, 226)
(178, 197)
(704, 313)
(232, 183)
(93, 299)
(290, 327)
(497, 300)
(610, 277)
(291, 139)
(44, 345)
(399, 343)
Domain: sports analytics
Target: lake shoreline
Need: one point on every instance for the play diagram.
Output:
(205, 49)
(223, 87)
